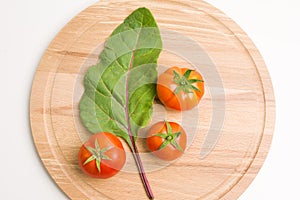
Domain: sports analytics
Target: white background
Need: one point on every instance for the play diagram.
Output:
(26, 29)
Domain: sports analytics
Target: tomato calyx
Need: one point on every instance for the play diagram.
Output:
(184, 83)
(169, 138)
(97, 154)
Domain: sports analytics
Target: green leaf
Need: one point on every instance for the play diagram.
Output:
(184, 83)
(97, 154)
(177, 134)
(105, 149)
(176, 145)
(187, 89)
(195, 88)
(162, 135)
(98, 162)
(120, 88)
(169, 128)
(91, 150)
(97, 145)
(91, 158)
(187, 73)
(105, 157)
(195, 81)
(164, 144)
(178, 88)
(177, 77)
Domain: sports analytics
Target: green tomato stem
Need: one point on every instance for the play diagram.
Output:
(184, 83)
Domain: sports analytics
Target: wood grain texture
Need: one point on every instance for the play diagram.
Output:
(249, 106)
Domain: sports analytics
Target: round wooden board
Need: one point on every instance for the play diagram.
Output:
(229, 132)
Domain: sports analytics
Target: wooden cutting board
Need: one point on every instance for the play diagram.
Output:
(229, 133)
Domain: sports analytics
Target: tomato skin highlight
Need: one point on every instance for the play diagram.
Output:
(154, 142)
(108, 167)
(182, 100)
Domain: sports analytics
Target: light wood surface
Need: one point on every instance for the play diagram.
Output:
(224, 168)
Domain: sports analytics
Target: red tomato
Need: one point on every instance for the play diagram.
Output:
(166, 140)
(180, 88)
(102, 156)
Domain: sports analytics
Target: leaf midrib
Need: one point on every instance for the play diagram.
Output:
(127, 85)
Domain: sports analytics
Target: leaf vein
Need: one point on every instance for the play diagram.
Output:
(100, 92)
(114, 120)
(139, 100)
(112, 93)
